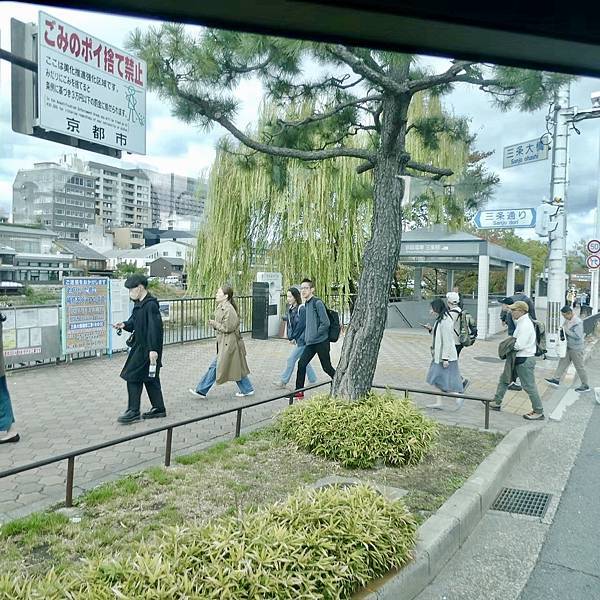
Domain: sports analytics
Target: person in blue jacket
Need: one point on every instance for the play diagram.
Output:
(296, 324)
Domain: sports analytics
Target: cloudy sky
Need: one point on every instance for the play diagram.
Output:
(173, 146)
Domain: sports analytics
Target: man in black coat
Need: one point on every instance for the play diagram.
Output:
(142, 367)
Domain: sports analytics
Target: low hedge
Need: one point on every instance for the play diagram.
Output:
(317, 544)
(379, 427)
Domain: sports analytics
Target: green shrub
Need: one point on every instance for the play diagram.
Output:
(324, 543)
(359, 434)
(38, 523)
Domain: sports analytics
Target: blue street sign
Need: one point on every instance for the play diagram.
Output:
(507, 218)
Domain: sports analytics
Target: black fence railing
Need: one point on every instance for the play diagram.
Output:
(589, 323)
(187, 319)
(71, 456)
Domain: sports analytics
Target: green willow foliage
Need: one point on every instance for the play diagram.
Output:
(304, 219)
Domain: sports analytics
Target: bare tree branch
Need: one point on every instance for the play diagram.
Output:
(360, 67)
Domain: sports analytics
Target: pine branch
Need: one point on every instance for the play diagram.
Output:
(360, 67)
(449, 76)
(329, 114)
(438, 171)
(205, 108)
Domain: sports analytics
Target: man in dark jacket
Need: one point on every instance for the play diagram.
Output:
(316, 335)
(142, 367)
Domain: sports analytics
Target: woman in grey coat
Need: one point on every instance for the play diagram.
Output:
(443, 372)
(6, 412)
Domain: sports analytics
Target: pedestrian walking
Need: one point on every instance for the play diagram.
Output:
(572, 330)
(144, 361)
(296, 324)
(510, 323)
(444, 373)
(316, 335)
(7, 417)
(230, 362)
(523, 354)
(460, 298)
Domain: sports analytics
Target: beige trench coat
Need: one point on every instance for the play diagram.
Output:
(231, 351)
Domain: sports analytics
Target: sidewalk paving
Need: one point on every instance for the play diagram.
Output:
(510, 556)
(71, 406)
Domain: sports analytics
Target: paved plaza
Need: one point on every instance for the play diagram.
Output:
(71, 406)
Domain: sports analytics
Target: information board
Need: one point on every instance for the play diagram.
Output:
(85, 314)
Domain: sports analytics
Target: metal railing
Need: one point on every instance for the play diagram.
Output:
(589, 323)
(407, 390)
(71, 456)
(188, 318)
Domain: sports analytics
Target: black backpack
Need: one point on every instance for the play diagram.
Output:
(334, 322)
(334, 325)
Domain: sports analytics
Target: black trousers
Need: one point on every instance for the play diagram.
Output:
(322, 349)
(134, 391)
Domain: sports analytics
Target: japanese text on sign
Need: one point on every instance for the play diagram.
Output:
(89, 89)
(505, 219)
(525, 152)
(86, 314)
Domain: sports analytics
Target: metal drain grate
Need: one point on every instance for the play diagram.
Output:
(522, 502)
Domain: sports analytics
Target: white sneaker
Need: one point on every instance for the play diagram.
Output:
(193, 392)
(242, 395)
(279, 384)
(436, 406)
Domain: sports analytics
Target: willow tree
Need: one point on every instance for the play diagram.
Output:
(299, 217)
(352, 89)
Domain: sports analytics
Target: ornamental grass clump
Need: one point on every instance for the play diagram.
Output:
(376, 428)
(317, 544)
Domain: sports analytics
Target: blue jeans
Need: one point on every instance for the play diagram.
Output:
(295, 354)
(209, 378)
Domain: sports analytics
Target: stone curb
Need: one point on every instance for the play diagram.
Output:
(446, 531)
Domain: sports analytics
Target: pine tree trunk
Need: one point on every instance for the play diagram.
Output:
(356, 368)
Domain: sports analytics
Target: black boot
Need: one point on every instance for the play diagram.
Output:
(129, 416)
(155, 413)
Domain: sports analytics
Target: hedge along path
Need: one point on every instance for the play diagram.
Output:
(317, 544)
(227, 479)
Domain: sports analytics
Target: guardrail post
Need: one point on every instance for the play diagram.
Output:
(181, 330)
(238, 423)
(487, 415)
(70, 473)
(291, 399)
(168, 447)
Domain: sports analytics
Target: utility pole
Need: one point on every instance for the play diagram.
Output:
(595, 286)
(559, 181)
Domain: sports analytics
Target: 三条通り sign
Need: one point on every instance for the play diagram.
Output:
(525, 152)
(508, 218)
(89, 89)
